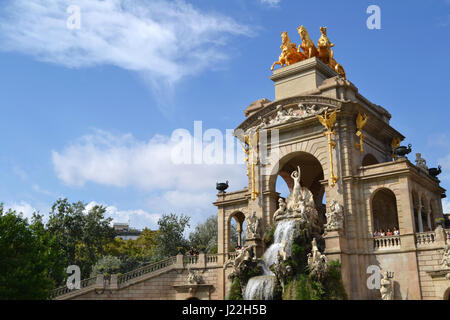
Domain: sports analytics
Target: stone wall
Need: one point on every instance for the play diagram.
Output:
(428, 260)
(166, 286)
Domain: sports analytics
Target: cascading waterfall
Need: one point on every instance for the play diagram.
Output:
(262, 287)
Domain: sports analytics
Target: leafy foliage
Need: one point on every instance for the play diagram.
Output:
(204, 238)
(235, 292)
(269, 236)
(28, 257)
(107, 265)
(170, 238)
(81, 235)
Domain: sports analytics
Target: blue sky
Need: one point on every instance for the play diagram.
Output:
(88, 113)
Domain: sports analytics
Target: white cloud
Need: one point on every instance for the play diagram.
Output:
(445, 206)
(163, 40)
(272, 3)
(138, 218)
(445, 164)
(22, 207)
(38, 189)
(123, 161)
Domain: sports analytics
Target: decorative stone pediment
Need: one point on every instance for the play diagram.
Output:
(288, 110)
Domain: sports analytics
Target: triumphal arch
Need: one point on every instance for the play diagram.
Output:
(349, 157)
(352, 191)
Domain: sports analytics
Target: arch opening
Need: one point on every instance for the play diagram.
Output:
(384, 210)
(369, 159)
(236, 230)
(311, 176)
(447, 294)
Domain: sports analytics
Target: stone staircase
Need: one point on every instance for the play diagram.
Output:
(118, 281)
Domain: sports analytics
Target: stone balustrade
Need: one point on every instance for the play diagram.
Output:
(425, 238)
(211, 258)
(64, 290)
(389, 242)
(146, 269)
(116, 281)
(190, 260)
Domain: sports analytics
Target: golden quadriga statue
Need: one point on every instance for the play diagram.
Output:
(290, 54)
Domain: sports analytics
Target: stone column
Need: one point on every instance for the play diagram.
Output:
(429, 220)
(239, 231)
(419, 214)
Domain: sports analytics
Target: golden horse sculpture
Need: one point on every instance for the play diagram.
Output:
(307, 45)
(326, 54)
(289, 54)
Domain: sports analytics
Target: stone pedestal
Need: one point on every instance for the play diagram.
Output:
(334, 242)
(300, 77)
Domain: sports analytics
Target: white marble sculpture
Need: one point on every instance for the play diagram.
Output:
(445, 261)
(387, 285)
(193, 277)
(299, 204)
(317, 262)
(253, 227)
(282, 116)
(335, 217)
(243, 255)
(421, 162)
(311, 110)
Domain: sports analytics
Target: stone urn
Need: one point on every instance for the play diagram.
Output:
(434, 172)
(221, 186)
(402, 151)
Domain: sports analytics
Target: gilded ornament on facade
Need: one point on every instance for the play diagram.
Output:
(328, 122)
(250, 148)
(361, 121)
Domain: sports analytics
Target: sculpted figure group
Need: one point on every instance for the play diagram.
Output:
(290, 54)
(298, 205)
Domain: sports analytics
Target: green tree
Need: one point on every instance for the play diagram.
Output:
(204, 237)
(106, 265)
(81, 235)
(170, 237)
(28, 258)
(133, 253)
